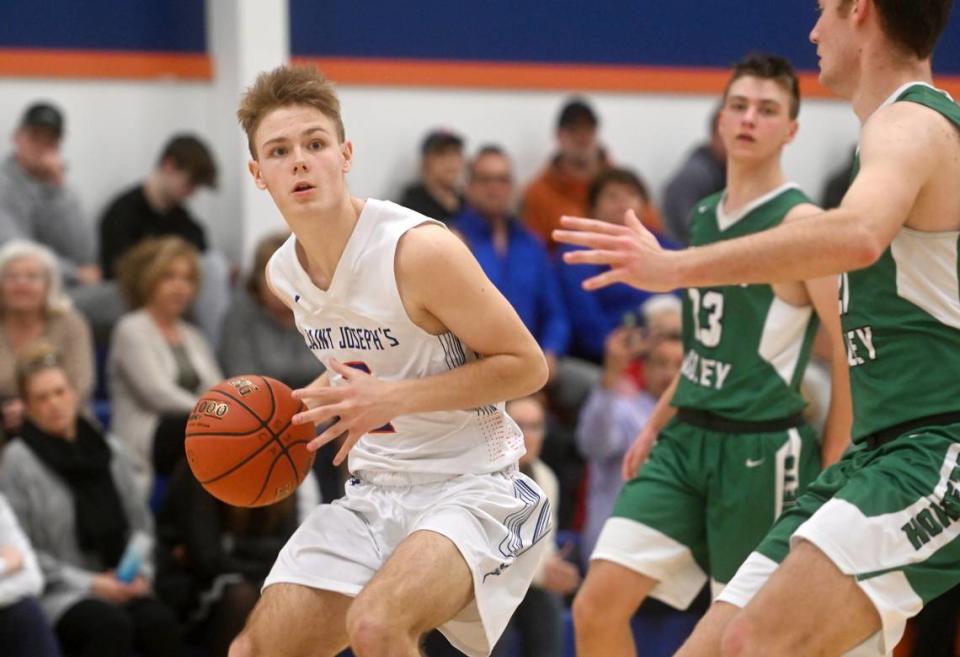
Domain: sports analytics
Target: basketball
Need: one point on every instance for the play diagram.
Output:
(242, 445)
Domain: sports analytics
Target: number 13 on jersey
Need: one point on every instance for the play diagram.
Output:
(708, 329)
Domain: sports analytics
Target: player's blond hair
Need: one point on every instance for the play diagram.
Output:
(285, 86)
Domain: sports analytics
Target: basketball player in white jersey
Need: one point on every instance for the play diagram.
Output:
(438, 529)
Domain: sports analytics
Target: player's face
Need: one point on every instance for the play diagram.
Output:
(23, 285)
(755, 121)
(175, 290)
(836, 45)
(301, 161)
(51, 402)
(528, 414)
(490, 191)
(615, 199)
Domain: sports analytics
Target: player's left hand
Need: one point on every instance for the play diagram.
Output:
(359, 405)
(631, 251)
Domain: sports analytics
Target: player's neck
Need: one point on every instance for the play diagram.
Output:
(748, 182)
(881, 74)
(321, 239)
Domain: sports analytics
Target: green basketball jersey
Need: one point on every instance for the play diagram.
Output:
(901, 317)
(745, 349)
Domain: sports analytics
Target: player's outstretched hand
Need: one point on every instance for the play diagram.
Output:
(638, 452)
(359, 405)
(631, 251)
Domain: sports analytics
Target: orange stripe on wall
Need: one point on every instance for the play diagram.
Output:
(500, 75)
(27, 62)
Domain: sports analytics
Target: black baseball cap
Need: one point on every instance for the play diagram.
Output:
(577, 112)
(440, 140)
(45, 117)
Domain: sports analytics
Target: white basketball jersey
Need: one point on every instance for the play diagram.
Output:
(360, 320)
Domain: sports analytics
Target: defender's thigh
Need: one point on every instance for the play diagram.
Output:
(291, 620)
(759, 477)
(423, 584)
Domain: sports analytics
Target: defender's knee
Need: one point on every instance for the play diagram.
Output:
(590, 614)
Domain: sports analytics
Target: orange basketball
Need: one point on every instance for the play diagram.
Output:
(241, 444)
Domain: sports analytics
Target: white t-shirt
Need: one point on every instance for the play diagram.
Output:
(360, 320)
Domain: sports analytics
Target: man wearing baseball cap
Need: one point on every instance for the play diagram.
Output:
(35, 203)
(562, 187)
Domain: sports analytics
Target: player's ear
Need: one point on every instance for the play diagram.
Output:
(792, 132)
(254, 167)
(347, 150)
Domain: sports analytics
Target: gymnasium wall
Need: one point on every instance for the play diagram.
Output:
(130, 73)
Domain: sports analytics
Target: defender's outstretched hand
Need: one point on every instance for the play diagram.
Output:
(631, 251)
(358, 406)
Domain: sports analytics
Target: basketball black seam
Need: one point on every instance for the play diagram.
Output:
(266, 479)
(251, 456)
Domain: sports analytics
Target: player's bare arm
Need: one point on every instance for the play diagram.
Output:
(662, 413)
(443, 289)
(897, 165)
(822, 293)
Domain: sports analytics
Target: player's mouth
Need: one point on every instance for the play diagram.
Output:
(303, 189)
(745, 138)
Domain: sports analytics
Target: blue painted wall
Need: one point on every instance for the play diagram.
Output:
(126, 25)
(690, 33)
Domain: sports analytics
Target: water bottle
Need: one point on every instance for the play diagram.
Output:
(137, 550)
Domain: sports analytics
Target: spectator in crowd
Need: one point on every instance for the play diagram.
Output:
(703, 173)
(73, 490)
(616, 412)
(562, 186)
(155, 207)
(34, 308)
(437, 193)
(35, 201)
(259, 335)
(594, 315)
(158, 363)
(512, 257)
(539, 619)
(213, 557)
(24, 630)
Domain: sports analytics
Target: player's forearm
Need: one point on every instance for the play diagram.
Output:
(836, 432)
(664, 411)
(829, 243)
(489, 380)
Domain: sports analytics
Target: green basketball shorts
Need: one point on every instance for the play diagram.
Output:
(702, 502)
(888, 516)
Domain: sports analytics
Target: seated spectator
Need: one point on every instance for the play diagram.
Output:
(34, 308)
(703, 173)
(156, 208)
(73, 491)
(616, 412)
(35, 201)
(213, 557)
(512, 257)
(158, 364)
(594, 315)
(24, 630)
(437, 193)
(539, 618)
(561, 188)
(259, 334)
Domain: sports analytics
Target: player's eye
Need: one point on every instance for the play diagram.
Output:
(316, 145)
(279, 151)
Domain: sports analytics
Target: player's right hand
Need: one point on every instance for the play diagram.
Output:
(639, 452)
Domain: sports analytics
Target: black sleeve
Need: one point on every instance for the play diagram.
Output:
(116, 237)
